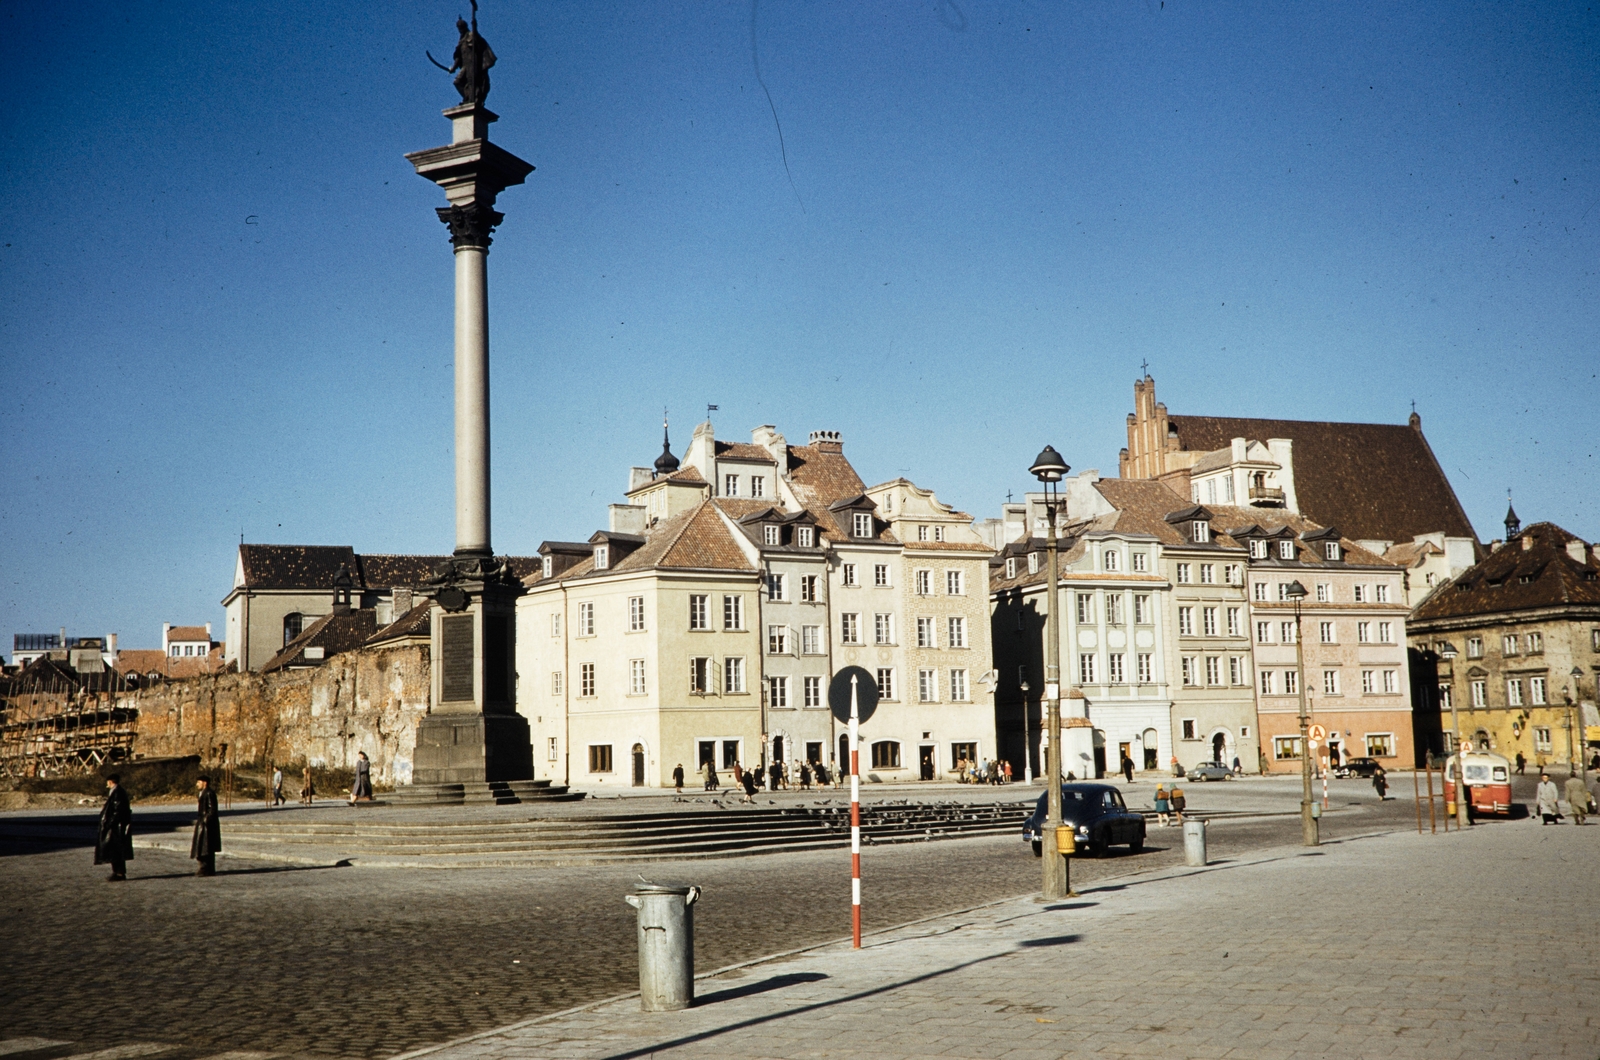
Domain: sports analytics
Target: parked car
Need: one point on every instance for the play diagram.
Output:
(1098, 816)
(1210, 771)
(1358, 767)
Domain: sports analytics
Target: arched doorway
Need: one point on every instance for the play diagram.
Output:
(1152, 749)
(638, 765)
(777, 749)
(1219, 749)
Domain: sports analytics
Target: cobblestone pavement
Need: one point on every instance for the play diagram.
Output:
(372, 962)
(1350, 950)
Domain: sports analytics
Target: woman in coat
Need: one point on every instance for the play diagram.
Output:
(361, 790)
(114, 844)
(207, 830)
(1549, 800)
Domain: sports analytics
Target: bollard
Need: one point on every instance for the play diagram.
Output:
(666, 945)
(1194, 842)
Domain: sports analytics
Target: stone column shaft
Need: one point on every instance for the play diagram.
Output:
(472, 401)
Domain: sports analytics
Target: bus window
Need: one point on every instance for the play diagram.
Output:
(1500, 773)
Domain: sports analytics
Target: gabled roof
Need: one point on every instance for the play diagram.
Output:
(697, 539)
(333, 633)
(416, 623)
(1189, 515)
(188, 633)
(314, 567)
(743, 451)
(1497, 582)
(1375, 481)
(1148, 507)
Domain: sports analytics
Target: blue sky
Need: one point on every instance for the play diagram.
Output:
(225, 301)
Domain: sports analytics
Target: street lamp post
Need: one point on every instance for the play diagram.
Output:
(1448, 654)
(1050, 469)
(1027, 736)
(1575, 747)
(1308, 821)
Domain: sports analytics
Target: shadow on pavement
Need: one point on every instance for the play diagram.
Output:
(1055, 940)
(776, 982)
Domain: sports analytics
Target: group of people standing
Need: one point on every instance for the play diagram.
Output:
(778, 775)
(993, 771)
(114, 842)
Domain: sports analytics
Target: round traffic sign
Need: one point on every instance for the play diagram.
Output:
(839, 694)
(1318, 732)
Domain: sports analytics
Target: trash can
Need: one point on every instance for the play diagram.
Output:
(666, 945)
(1194, 842)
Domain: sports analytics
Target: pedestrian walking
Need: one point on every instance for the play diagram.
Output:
(822, 775)
(1522, 763)
(207, 829)
(361, 790)
(774, 776)
(738, 775)
(1006, 767)
(1127, 768)
(1163, 806)
(1178, 801)
(710, 771)
(805, 776)
(114, 844)
(748, 782)
(1548, 799)
(1577, 798)
(1380, 783)
(677, 777)
(308, 790)
(277, 787)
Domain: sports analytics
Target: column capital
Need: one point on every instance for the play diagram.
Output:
(470, 226)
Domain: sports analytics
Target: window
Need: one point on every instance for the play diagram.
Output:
(1480, 695)
(1233, 574)
(586, 620)
(958, 686)
(1286, 549)
(699, 611)
(886, 755)
(1535, 643)
(1269, 682)
(804, 536)
(758, 486)
(1368, 682)
(1200, 530)
(1285, 747)
(733, 612)
(1235, 670)
(1213, 670)
(1145, 668)
(1380, 745)
(1536, 691)
(849, 627)
(777, 587)
(1381, 593)
(1085, 607)
(778, 692)
(1208, 574)
(635, 614)
(1330, 550)
(547, 567)
(1364, 632)
(954, 583)
(293, 626)
(1360, 593)
(885, 682)
(602, 557)
(883, 628)
(1114, 609)
(1291, 682)
(1011, 567)
(1086, 668)
(772, 535)
(1033, 563)
(733, 675)
(1186, 664)
(1474, 647)
(173, 651)
(550, 751)
(556, 683)
(1391, 682)
(1263, 632)
(699, 676)
(1594, 640)
(586, 680)
(1114, 668)
(925, 634)
(1508, 644)
(555, 624)
(861, 525)
(813, 692)
(777, 640)
(636, 677)
(811, 640)
(1141, 608)
(847, 574)
(922, 533)
(1541, 738)
(880, 575)
(1287, 630)
(1185, 621)
(1330, 682)
(730, 485)
(1430, 579)
(957, 631)
(1513, 692)
(1446, 700)
(938, 533)
(1140, 561)
(1110, 559)
(924, 582)
(1385, 632)
(599, 758)
(1209, 615)
(1259, 591)
(1258, 549)
(1324, 593)
(808, 588)
(927, 686)
(1185, 573)
(1190, 731)
(1325, 633)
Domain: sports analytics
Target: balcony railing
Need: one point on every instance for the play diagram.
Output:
(1266, 496)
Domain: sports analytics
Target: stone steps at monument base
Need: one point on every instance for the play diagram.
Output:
(490, 793)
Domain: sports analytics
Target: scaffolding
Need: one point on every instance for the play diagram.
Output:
(56, 723)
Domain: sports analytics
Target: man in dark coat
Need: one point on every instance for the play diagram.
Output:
(207, 830)
(1127, 768)
(114, 844)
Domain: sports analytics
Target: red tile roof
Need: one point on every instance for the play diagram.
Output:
(188, 633)
(1514, 578)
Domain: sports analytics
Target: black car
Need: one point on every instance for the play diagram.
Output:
(1358, 767)
(1099, 818)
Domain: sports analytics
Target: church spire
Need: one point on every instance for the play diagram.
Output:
(666, 463)
(1513, 524)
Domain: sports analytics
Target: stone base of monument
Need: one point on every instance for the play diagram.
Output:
(472, 749)
(488, 793)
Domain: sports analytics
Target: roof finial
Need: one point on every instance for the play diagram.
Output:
(1144, 366)
(1513, 524)
(666, 463)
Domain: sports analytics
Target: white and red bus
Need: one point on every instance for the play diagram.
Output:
(1488, 781)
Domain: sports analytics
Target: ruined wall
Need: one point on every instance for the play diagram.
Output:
(360, 701)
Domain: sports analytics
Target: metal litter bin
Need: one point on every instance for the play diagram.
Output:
(666, 945)
(1194, 842)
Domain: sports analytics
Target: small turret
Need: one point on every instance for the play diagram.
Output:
(666, 463)
(1513, 524)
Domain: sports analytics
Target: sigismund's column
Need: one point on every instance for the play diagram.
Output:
(473, 738)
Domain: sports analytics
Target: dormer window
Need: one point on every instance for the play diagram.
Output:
(862, 525)
(1033, 563)
(1258, 549)
(772, 534)
(802, 536)
(1200, 531)
(730, 485)
(1330, 551)
(1011, 566)
(547, 567)
(602, 557)
(1286, 549)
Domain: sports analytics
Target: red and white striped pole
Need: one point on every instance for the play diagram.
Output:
(855, 819)
(1325, 771)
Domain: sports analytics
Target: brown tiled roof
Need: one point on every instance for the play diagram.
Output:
(156, 661)
(1143, 506)
(1411, 553)
(744, 451)
(1227, 517)
(313, 567)
(417, 622)
(687, 475)
(947, 546)
(332, 633)
(827, 475)
(1374, 481)
(188, 633)
(697, 539)
(1496, 584)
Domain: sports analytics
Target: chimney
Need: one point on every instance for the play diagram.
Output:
(1527, 541)
(111, 646)
(166, 630)
(1577, 551)
(827, 441)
